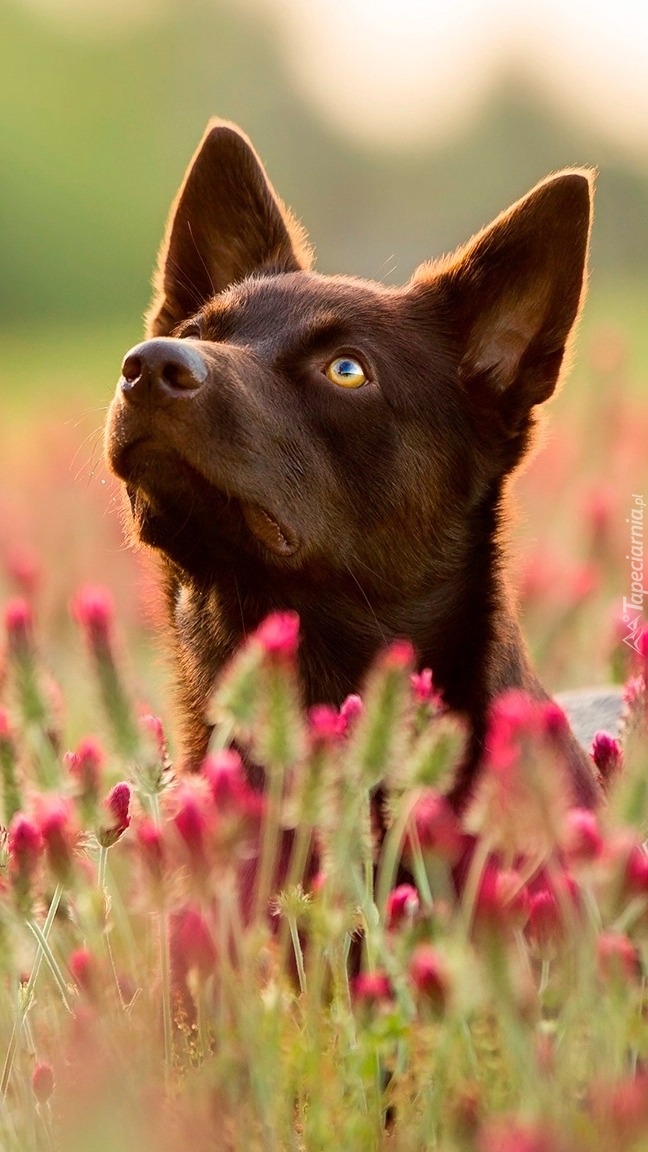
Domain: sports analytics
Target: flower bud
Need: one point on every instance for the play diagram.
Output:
(59, 834)
(502, 901)
(636, 869)
(371, 988)
(621, 1111)
(191, 943)
(512, 718)
(551, 719)
(93, 609)
(429, 976)
(43, 1082)
(398, 655)
(153, 725)
(437, 827)
(607, 755)
(323, 725)
(351, 711)
(85, 765)
(583, 840)
(83, 968)
(423, 688)
(25, 842)
(617, 958)
(19, 623)
(25, 851)
(229, 786)
(512, 1135)
(191, 824)
(278, 635)
(117, 807)
(544, 929)
(402, 906)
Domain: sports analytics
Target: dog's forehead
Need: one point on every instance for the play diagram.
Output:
(300, 302)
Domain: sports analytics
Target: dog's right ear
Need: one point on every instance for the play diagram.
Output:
(226, 222)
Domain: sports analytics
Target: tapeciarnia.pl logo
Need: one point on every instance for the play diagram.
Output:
(631, 616)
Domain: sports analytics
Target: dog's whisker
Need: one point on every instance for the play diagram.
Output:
(383, 277)
(89, 412)
(238, 596)
(201, 258)
(367, 602)
(379, 575)
(95, 464)
(96, 432)
(187, 283)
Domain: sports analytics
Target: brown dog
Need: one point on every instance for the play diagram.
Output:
(341, 448)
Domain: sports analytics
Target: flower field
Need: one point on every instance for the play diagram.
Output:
(337, 961)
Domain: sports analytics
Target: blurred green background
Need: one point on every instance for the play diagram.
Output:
(96, 130)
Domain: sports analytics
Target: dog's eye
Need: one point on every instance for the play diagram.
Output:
(191, 332)
(346, 371)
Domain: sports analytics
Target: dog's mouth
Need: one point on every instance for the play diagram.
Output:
(144, 479)
(277, 537)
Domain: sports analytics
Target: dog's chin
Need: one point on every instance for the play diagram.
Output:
(162, 489)
(149, 525)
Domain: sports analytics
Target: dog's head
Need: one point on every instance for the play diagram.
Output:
(332, 424)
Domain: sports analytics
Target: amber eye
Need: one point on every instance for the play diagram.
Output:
(346, 372)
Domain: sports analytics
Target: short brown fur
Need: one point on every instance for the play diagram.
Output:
(375, 512)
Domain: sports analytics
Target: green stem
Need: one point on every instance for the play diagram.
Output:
(11, 792)
(103, 860)
(28, 992)
(115, 701)
(420, 871)
(392, 850)
(371, 917)
(48, 956)
(362, 875)
(270, 843)
(544, 978)
(165, 969)
(222, 735)
(163, 927)
(299, 956)
(475, 872)
(45, 1114)
(296, 870)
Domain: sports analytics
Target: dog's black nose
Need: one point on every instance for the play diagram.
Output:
(161, 370)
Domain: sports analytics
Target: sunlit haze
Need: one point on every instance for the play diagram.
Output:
(398, 71)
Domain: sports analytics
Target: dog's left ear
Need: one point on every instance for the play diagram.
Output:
(510, 297)
(226, 223)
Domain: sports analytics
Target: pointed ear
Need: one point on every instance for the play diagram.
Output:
(512, 294)
(226, 222)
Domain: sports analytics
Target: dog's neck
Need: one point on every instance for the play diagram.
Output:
(461, 626)
(454, 621)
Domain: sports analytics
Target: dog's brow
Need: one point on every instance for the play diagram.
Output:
(319, 330)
